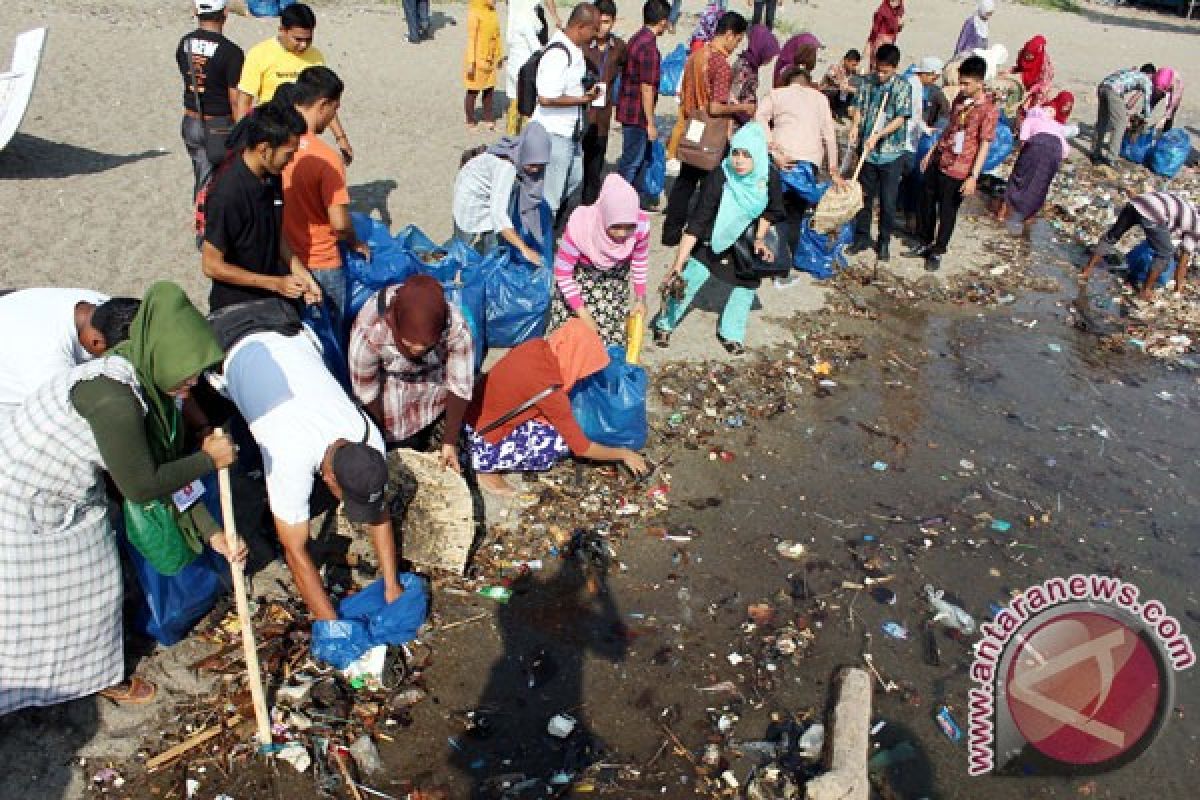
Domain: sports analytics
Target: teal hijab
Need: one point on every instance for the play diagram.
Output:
(745, 196)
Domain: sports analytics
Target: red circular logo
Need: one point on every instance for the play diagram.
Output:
(1084, 689)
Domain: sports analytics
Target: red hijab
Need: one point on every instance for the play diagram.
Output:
(886, 20)
(1032, 60)
(1062, 103)
(417, 312)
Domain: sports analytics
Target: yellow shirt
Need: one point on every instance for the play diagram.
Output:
(269, 64)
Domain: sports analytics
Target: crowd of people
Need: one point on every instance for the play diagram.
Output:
(127, 398)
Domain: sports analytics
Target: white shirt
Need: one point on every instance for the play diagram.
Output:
(295, 409)
(482, 194)
(558, 78)
(916, 123)
(520, 40)
(38, 338)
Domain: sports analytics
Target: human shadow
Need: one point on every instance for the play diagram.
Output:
(550, 628)
(39, 747)
(1158, 24)
(373, 197)
(34, 157)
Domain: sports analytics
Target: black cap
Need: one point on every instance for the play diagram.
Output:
(361, 471)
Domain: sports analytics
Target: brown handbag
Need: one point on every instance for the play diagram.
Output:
(704, 140)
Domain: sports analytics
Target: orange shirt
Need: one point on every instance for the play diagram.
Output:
(313, 181)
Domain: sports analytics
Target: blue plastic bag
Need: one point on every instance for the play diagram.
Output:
(460, 271)
(267, 8)
(389, 265)
(610, 406)
(389, 623)
(170, 606)
(802, 179)
(1136, 148)
(333, 351)
(822, 254)
(670, 76)
(1169, 153)
(366, 621)
(1138, 261)
(1002, 146)
(654, 176)
(516, 299)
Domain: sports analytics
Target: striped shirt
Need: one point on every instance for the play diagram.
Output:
(1173, 212)
(568, 256)
(1126, 81)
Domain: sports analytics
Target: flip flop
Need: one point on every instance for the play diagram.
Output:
(133, 692)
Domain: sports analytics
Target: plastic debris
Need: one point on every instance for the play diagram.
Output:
(947, 613)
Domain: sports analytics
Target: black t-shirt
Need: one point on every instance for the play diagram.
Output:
(244, 220)
(217, 64)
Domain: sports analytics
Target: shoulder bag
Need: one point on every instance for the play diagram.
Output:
(704, 140)
(747, 265)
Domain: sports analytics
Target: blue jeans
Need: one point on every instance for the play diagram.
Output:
(734, 316)
(416, 14)
(635, 155)
(333, 286)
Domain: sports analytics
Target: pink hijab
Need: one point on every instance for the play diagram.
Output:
(1041, 120)
(588, 225)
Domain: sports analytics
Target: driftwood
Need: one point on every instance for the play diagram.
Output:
(191, 743)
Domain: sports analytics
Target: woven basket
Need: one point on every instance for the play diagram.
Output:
(837, 208)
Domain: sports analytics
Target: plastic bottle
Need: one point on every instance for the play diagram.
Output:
(947, 613)
(635, 331)
(365, 755)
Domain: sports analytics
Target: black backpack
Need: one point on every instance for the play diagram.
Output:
(527, 96)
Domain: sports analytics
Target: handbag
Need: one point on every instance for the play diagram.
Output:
(748, 265)
(152, 529)
(704, 140)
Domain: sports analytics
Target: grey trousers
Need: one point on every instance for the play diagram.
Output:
(1111, 118)
(205, 149)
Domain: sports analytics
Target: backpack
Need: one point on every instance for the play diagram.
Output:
(527, 95)
(470, 153)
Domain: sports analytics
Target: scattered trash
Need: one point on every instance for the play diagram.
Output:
(895, 630)
(947, 613)
(561, 726)
(945, 721)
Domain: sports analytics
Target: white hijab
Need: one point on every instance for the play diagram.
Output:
(981, 24)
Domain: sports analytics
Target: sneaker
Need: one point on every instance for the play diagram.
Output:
(933, 262)
(732, 347)
(662, 339)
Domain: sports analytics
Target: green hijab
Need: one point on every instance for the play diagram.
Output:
(169, 342)
(744, 197)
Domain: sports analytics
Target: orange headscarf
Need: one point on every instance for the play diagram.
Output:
(579, 350)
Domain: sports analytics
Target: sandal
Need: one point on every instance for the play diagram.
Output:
(662, 339)
(133, 692)
(732, 347)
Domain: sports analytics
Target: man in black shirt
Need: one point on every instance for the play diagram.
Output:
(210, 65)
(244, 251)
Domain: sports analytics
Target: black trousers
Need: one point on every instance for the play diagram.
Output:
(941, 197)
(594, 146)
(765, 8)
(882, 182)
(679, 202)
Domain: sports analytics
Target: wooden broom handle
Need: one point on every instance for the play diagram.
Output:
(253, 671)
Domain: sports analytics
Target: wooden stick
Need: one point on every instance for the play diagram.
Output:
(341, 765)
(232, 542)
(192, 742)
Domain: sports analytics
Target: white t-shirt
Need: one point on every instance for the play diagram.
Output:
(38, 338)
(295, 409)
(560, 75)
(520, 39)
(916, 123)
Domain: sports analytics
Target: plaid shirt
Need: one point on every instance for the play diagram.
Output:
(414, 392)
(642, 65)
(869, 102)
(1126, 82)
(977, 122)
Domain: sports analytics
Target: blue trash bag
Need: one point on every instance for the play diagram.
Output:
(389, 623)
(821, 254)
(333, 349)
(670, 76)
(1136, 148)
(390, 264)
(654, 176)
(610, 406)
(460, 271)
(267, 8)
(1002, 145)
(1169, 153)
(339, 642)
(802, 179)
(516, 299)
(171, 605)
(1138, 261)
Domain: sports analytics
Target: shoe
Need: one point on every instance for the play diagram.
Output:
(860, 245)
(882, 253)
(662, 339)
(920, 251)
(933, 262)
(786, 283)
(732, 347)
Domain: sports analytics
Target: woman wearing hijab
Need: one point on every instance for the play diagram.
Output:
(545, 430)
(798, 51)
(1168, 85)
(60, 577)
(706, 28)
(412, 363)
(886, 25)
(1043, 147)
(1036, 73)
(761, 47)
(604, 251)
(1061, 106)
(746, 191)
(974, 33)
(486, 186)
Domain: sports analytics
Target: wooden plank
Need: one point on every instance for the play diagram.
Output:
(437, 526)
(191, 743)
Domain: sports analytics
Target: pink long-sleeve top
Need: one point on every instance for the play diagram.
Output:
(569, 255)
